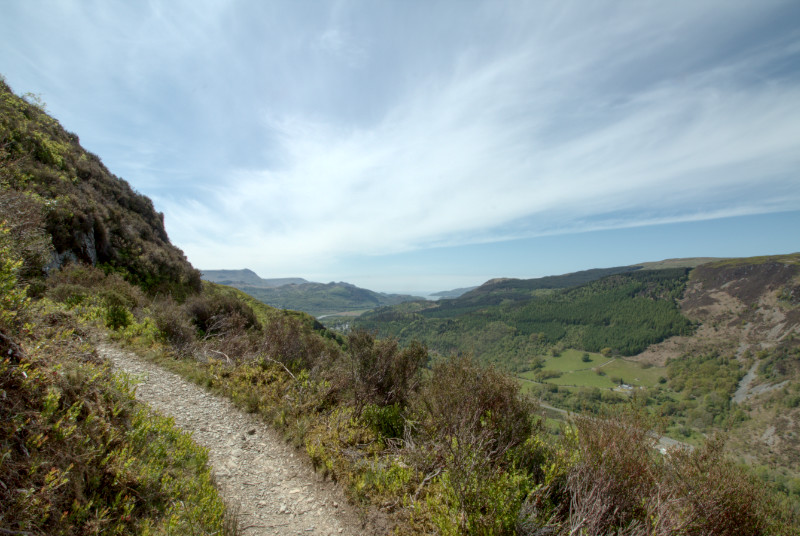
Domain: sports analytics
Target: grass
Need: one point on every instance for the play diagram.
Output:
(575, 372)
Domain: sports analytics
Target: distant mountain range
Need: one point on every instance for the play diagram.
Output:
(298, 294)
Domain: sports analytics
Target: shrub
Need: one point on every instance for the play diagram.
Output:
(618, 467)
(387, 421)
(287, 340)
(12, 297)
(704, 492)
(214, 314)
(380, 372)
(616, 482)
(24, 219)
(173, 324)
(474, 423)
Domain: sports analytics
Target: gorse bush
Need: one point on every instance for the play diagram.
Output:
(12, 297)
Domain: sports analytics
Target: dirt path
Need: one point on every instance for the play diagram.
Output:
(277, 493)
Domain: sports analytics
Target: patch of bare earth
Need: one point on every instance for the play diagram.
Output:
(271, 484)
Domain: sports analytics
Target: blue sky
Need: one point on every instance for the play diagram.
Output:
(426, 145)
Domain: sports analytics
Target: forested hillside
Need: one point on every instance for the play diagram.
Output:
(510, 322)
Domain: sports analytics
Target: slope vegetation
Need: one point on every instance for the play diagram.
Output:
(89, 214)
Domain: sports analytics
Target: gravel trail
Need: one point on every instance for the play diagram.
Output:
(276, 491)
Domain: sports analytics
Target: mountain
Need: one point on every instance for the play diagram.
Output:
(245, 277)
(297, 294)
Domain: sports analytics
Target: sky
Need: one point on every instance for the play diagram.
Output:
(416, 146)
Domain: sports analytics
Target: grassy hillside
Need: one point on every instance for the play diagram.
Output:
(89, 214)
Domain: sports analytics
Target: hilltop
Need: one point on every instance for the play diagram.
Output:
(248, 278)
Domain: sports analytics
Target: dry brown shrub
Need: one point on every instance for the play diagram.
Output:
(287, 340)
(618, 470)
(174, 325)
(704, 493)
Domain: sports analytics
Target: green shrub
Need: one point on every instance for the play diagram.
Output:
(387, 421)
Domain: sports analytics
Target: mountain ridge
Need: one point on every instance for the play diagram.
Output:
(298, 294)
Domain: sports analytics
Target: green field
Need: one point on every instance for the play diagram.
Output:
(601, 372)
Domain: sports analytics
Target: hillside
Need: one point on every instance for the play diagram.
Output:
(89, 214)
(509, 322)
(748, 311)
(455, 293)
(715, 348)
(78, 454)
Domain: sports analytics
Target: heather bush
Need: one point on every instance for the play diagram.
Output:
(214, 314)
(704, 493)
(612, 480)
(289, 342)
(473, 430)
(173, 324)
(381, 373)
(618, 471)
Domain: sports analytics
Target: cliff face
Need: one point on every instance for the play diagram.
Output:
(89, 214)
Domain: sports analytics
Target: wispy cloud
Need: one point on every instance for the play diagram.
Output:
(533, 139)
